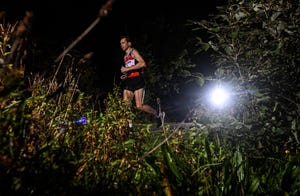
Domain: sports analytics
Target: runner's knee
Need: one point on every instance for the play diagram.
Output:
(140, 107)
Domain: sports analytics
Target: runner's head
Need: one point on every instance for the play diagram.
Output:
(125, 42)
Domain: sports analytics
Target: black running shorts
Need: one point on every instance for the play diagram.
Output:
(134, 83)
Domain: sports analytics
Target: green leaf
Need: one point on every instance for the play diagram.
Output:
(205, 46)
(254, 185)
(200, 81)
(170, 160)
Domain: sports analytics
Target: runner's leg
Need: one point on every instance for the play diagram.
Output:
(139, 98)
(127, 100)
(127, 96)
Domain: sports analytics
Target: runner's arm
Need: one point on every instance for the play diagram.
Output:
(141, 63)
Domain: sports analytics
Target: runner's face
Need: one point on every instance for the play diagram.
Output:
(124, 44)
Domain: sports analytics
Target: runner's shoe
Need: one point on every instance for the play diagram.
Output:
(160, 119)
(160, 115)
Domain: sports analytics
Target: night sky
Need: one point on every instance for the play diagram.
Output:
(59, 22)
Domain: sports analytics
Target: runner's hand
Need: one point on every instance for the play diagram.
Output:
(123, 69)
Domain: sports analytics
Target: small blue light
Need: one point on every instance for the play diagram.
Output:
(82, 121)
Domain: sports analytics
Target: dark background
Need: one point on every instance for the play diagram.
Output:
(59, 22)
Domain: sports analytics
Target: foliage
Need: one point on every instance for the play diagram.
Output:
(255, 48)
(44, 150)
(52, 154)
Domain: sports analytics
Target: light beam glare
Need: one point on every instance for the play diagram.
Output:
(219, 97)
